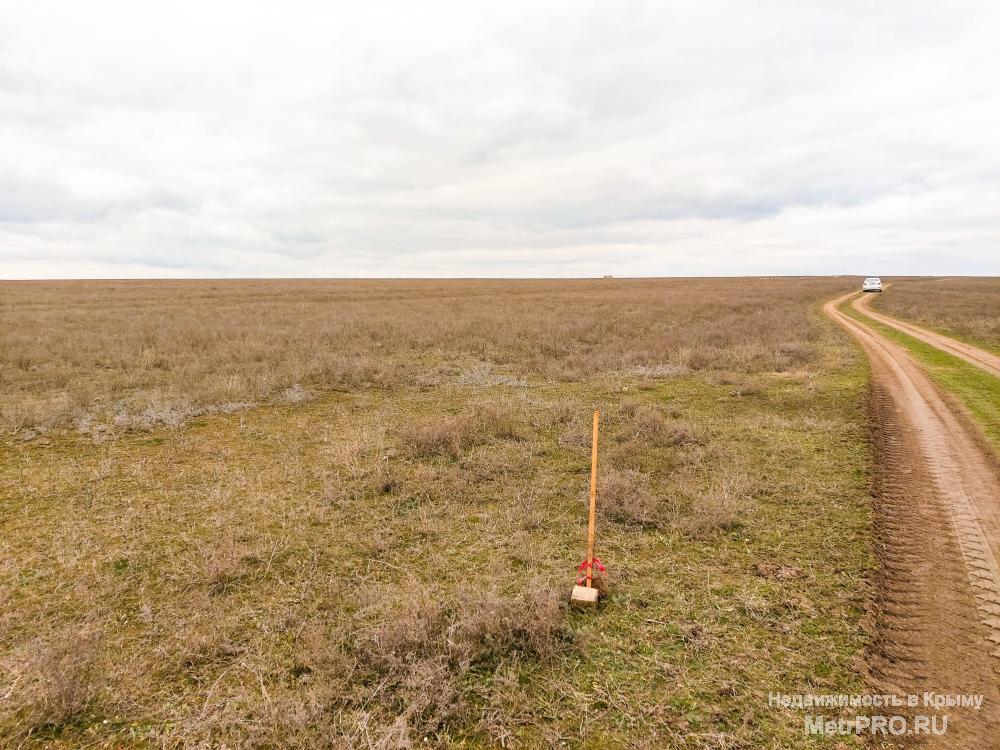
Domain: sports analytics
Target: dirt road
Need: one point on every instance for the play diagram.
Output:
(936, 621)
(974, 355)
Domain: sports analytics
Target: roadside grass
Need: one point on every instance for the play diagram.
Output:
(979, 391)
(967, 309)
(386, 568)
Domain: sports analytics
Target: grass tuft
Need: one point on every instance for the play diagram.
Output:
(420, 657)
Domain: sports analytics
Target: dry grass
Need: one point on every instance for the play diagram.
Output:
(626, 498)
(723, 505)
(646, 422)
(129, 355)
(420, 655)
(965, 307)
(383, 562)
(450, 435)
(55, 685)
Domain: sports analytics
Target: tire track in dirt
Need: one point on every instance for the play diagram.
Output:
(936, 614)
(981, 358)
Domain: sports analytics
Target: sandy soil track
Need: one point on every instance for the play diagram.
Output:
(936, 619)
(972, 354)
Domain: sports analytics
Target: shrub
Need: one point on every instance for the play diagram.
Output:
(439, 436)
(499, 421)
(625, 497)
(418, 657)
(59, 683)
(450, 435)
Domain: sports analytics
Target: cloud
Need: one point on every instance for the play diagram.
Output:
(514, 139)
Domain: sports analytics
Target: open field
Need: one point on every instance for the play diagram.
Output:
(379, 552)
(137, 354)
(963, 307)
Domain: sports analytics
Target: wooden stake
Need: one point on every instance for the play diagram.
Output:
(587, 596)
(593, 505)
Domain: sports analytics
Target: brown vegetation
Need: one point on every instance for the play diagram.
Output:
(452, 434)
(966, 307)
(626, 497)
(134, 354)
(381, 560)
(55, 684)
(419, 655)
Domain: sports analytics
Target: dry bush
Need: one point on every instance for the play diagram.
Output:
(625, 496)
(419, 657)
(450, 435)
(54, 684)
(649, 424)
(500, 420)
(155, 352)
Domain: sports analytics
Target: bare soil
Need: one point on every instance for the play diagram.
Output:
(937, 617)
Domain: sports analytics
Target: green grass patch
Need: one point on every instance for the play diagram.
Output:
(979, 391)
(944, 330)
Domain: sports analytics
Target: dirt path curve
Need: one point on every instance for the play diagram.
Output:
(972, 354)
(936, 621)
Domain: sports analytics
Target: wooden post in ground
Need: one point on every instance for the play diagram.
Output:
(587, 595)
(593, 504)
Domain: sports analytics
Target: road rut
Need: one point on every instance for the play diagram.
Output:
(936, 617)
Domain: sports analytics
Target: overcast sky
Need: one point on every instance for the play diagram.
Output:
(498, 139)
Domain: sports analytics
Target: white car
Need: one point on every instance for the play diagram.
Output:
(872, 284)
